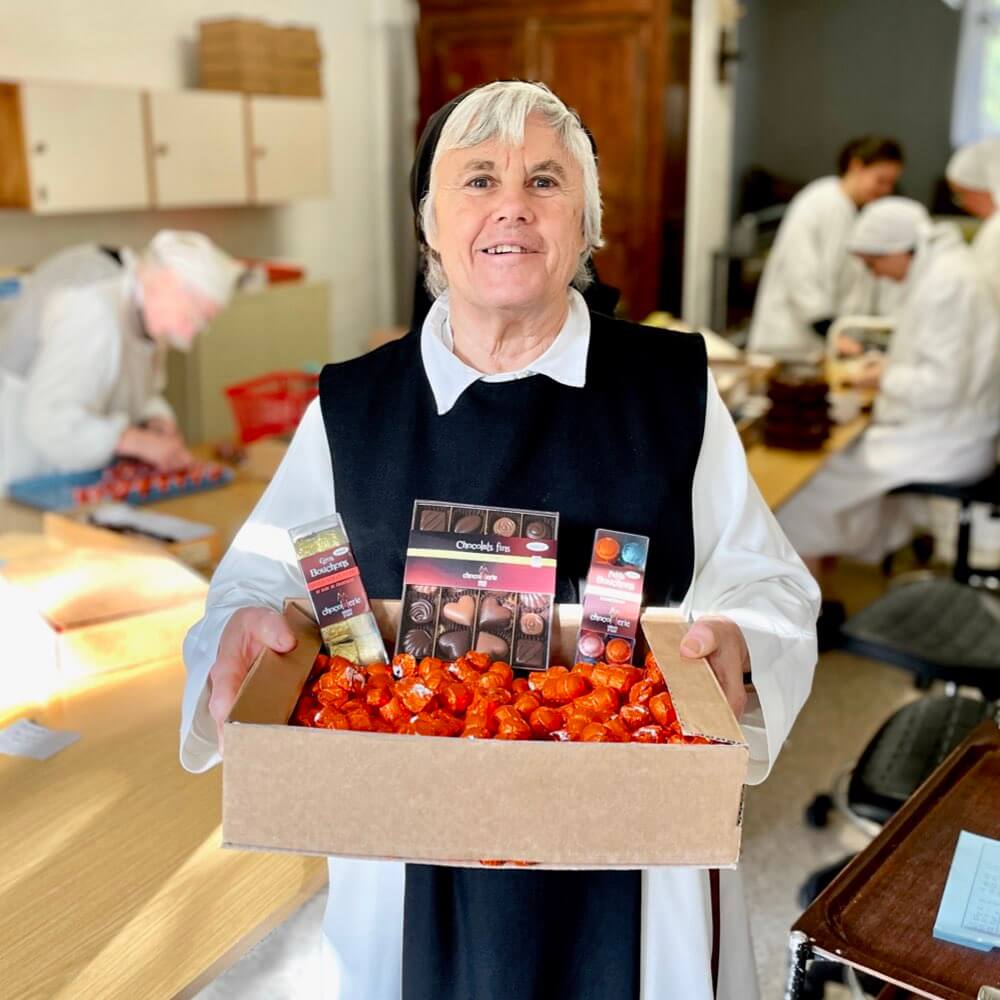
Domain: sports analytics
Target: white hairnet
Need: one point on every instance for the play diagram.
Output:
(977, 167)
(889, 225)
(197, 261)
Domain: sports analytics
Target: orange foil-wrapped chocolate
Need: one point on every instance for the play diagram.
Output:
(478, 699)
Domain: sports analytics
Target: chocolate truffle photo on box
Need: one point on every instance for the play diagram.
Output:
(474, 461)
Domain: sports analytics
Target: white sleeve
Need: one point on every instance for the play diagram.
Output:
(746, 570)
(156, 406)
(259, 570)
(939, 340)
(812, 262)
(70, 382)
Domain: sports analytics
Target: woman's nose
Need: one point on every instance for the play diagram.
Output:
(513, 206)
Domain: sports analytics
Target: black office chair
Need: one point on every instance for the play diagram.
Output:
(985, 491)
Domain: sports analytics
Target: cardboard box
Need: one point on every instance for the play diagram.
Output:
(201, 549)
(299, 82)
(458, 802)
(72, 614)
(263, 457)
(236, 34)
(297, 45)
(250, 79)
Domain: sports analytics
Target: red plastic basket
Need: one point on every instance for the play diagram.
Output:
(271, 404)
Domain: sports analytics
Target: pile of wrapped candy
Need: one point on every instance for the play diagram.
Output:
(476, 698)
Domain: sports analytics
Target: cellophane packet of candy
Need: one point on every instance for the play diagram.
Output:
(338, 596)
(612, 599)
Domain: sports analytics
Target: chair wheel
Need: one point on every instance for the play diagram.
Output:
(818, 811)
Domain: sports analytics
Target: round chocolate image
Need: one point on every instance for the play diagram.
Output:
(634, 553)
(591, 645)
(468, 525)
(535, 602)
(417, 642)
(421, 611)
(532, 623)
(536, 529)
(505, 526)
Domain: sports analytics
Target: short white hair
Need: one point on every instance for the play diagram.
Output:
(500, 110)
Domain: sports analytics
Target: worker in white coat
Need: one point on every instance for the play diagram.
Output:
(91, 388)
(809, 277)
(499, 398)
(937, 414)
(974, 177)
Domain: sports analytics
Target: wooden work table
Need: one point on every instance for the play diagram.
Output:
(779, 472)
(113, 881)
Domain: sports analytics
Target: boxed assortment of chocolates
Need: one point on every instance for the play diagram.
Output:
(338, 596)
(479, 579)
(612, 599)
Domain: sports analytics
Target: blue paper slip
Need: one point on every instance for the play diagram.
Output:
(969, 913)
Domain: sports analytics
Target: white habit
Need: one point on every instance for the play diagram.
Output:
(744, 568)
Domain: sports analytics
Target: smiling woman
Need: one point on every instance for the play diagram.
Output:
(512, 393)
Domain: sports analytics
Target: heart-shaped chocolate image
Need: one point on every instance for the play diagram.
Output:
(492, 645)
(462, 611)
(452, 645)
(492, 612)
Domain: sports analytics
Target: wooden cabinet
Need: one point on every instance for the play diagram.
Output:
(197, 149)
(289, 148)
(623, 65)
(67, 148)
(75, 148)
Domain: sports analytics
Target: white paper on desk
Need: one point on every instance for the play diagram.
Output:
(969, 913)
(28, 739)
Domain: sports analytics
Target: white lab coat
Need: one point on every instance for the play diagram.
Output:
(986, 250)
(70, 268)
(809, 274)
(937, 415)
(745, 569)
(95, 373)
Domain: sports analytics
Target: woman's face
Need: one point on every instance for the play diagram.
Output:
(509, 221)
(867, 182)
(978, 203)
(172, 312)
(894, 266)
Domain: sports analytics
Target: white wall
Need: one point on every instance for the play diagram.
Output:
(154, 45)
(709, 162)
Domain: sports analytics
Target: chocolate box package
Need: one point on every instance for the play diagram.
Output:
(462, 802)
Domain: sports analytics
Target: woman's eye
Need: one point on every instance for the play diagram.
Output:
(544, 182)
(480, 182)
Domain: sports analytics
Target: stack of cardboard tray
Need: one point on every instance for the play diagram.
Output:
(259, 58)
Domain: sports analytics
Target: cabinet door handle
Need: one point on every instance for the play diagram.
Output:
(260, 152)
(42, 193)
(161, 149)
(40, 147)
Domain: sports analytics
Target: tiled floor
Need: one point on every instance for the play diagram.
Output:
(851, 698)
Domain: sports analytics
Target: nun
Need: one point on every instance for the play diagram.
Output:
(973, 174)
(91, 369)
(937, 413)
(809, 278)
(514, 392)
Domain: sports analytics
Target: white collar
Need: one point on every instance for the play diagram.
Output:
(565, 361)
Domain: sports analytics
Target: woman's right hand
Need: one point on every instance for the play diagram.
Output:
(247, 632)
(162, 451)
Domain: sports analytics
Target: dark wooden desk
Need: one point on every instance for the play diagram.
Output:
(878, 914)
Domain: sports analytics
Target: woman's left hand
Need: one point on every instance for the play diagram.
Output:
(721, 642)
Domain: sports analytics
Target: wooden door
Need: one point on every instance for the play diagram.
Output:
(600, 66)
(198, 149)
(86, 148)
(289, 148)
(459, 52)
